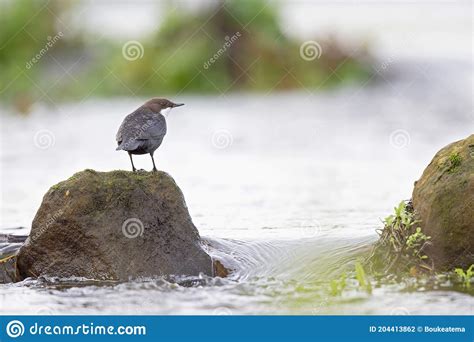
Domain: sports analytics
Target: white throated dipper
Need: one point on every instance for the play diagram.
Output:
(142, 131)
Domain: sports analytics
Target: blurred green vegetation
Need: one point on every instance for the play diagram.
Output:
(20, 39)
(226, 46)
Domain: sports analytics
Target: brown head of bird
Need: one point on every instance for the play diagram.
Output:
(158, 105)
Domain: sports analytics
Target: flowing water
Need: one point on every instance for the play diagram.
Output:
(287, 189)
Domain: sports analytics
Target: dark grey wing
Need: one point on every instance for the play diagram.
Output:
(154, 129)
(131, 129)
(139, 127)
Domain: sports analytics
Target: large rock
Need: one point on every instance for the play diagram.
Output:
(443, 199)
(113, 225)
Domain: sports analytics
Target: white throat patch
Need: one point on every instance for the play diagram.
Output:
(165, 111)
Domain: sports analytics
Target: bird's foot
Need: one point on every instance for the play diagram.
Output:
(154, 170)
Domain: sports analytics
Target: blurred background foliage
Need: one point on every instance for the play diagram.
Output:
(261, 57)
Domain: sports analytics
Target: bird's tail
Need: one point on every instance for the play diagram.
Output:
(119, 147)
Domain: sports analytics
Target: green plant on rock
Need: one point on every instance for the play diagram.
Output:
(454, 161)
(416, 241)
(465, 276)
(402, 243)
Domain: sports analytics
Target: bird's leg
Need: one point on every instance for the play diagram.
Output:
(133, 166)
(153, 160)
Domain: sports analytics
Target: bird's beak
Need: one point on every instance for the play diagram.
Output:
(178, 104)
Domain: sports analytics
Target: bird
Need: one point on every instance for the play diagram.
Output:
(142, 131)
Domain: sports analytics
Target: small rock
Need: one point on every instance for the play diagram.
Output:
(8, 272)
(220, 270)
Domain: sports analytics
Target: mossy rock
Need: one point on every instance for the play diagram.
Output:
(443, 199)
(113, 225)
